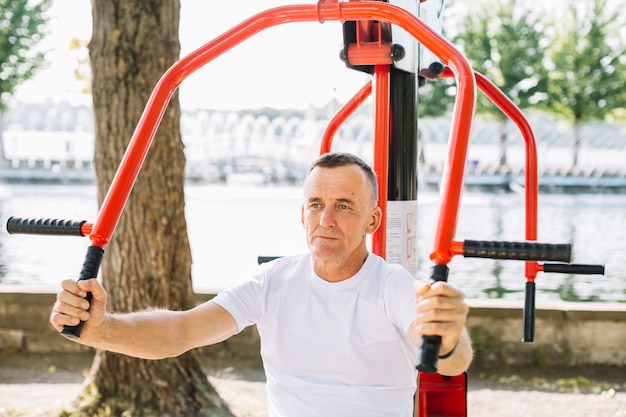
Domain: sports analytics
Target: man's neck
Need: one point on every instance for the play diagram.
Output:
(339, 270)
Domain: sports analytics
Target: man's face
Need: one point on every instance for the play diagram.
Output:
(338, 212)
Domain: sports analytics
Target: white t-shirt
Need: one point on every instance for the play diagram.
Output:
(331, 349)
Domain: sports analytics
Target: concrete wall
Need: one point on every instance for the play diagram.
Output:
(565, 333)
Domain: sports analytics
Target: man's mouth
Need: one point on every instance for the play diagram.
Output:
(329, 237)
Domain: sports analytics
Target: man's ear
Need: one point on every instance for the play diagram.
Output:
(302, 215)
(377, 217)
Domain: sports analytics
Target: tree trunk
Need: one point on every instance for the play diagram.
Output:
(148, 261)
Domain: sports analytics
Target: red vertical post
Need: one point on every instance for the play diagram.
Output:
(381, 151)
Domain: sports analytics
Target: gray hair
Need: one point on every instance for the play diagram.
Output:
(339, 159)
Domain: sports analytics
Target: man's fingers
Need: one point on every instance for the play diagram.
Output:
(93, 286)
(426, 290)
(72, 287)
(438, 295)
(72, 306)
(82, 287)
(420, 288)
(78, 310)
(61, 317)
(440, 310)
(64, 314)
(438, 305)
(70, 299)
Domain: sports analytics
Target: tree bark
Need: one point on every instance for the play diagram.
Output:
(148, 261)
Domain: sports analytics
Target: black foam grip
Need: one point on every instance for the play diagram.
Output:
(91, 265)
(524, 251)
(429, 346)
(583, 269)
(16, 225)
(529, 312)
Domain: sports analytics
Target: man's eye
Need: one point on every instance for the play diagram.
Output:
(343, 207)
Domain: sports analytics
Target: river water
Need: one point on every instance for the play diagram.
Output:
(230, 225)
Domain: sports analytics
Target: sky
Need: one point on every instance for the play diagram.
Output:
(294, 65)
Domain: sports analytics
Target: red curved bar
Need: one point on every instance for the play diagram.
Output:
(131, 163)
(531, 186)
(342, 115)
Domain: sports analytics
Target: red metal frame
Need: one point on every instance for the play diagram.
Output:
(531, 181)
(441, 396)
(381, 151)
(129, 168)
(371, 46)
(115, 200)
(342, 115)
(436, 394)
(372, 49)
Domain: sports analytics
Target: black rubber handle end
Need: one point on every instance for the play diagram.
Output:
(91, 265)
(429, 354)
(529, 313)
(582, 269)
(429, 346)
(72, 332)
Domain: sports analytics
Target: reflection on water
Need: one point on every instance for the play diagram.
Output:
(229, 226)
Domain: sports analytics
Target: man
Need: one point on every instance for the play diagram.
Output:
(340, 328)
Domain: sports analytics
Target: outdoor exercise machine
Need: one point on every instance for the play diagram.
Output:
(379, 39)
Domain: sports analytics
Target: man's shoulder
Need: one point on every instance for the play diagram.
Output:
(285, 265)
(384, 265)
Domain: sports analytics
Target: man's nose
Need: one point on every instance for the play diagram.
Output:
(327, 218)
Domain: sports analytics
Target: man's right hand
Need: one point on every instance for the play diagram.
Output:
(71, 306)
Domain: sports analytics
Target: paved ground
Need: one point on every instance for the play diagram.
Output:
(41, 386)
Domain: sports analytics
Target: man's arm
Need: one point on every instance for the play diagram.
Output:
(441, 310)
(151, 334)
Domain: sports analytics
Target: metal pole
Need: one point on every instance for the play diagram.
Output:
(402, 179)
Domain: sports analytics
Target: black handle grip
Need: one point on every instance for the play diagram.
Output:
(429, 347)
(91, 265)
(523, 251)
(16, 225)
(582, 269)
(529, 312)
